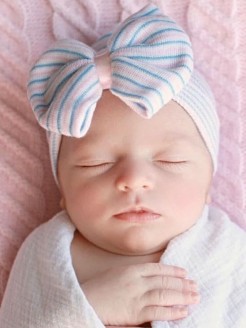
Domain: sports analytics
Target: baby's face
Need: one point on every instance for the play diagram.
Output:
(132, 184)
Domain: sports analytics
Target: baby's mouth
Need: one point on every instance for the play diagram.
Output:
(138, 215)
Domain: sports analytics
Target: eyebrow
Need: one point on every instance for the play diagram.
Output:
(179, 137)
(178, 140)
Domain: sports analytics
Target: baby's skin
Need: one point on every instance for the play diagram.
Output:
(122, 292)
(130, 186)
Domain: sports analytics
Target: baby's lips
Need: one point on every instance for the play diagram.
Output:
(137, 209)
(137, 214)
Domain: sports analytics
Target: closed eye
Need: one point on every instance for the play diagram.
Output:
(171, 164)
(95, 165)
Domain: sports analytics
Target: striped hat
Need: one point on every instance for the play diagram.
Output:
(146, 61)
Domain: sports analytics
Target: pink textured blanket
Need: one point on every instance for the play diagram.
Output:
(28, 195)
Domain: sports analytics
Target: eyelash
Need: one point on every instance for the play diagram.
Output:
(159, 162)
(171, 163)
(95, 165)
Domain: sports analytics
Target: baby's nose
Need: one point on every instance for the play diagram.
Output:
(134, 178)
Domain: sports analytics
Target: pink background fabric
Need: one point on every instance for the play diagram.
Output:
(28, 194)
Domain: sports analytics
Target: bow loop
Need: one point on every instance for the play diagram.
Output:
(146, 61)
(64, 78)
(152, 60)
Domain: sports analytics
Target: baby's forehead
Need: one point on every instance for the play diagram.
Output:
(115, 125)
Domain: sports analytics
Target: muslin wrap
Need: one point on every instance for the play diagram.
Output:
(43, 290)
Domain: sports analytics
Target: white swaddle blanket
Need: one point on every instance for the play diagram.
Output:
(43, 291)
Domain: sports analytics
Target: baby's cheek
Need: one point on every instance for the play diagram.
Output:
(190, 200)
(87, 199)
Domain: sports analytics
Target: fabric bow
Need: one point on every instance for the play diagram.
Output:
(147, 61)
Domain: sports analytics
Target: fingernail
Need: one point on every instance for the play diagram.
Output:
(193, 286)
(184, 312)
(195, 296)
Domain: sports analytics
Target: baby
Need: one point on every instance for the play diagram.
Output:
(133, 136)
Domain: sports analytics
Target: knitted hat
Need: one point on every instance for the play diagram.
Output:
(146, 61)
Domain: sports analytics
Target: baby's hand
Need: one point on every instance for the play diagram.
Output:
(132, 295)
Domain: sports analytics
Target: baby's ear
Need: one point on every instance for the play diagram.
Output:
(62, 203)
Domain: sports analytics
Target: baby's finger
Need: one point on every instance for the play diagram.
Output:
(159, 269)
(156, 313)
(162, 297)
(172, 283)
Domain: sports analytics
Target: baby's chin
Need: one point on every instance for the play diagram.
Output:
(138, 246)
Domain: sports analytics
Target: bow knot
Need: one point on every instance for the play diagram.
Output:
(146, 61)
(103, 67)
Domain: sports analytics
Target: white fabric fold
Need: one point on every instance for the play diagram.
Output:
(214, 254)
(43, 291)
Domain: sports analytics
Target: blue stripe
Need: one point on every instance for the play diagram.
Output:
(37, 108)
(86, 118)
(59, 72)
(47, 65)
(41, 106)
(161, 57)
(159, 44)
(73, 85)
(37, 95)
(38, 81)
(121, 77)
(148, 13)
(145, 71)
(64, 51)
(141, 107)
(179, 75)
(56, 89)
(170, 29)
(129, 95)
(118, 35)
(105, 36)
(148, 23)
(129, 23)
(187, 67)
(78, 102)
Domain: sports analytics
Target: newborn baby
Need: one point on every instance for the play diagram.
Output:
(133, 135)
